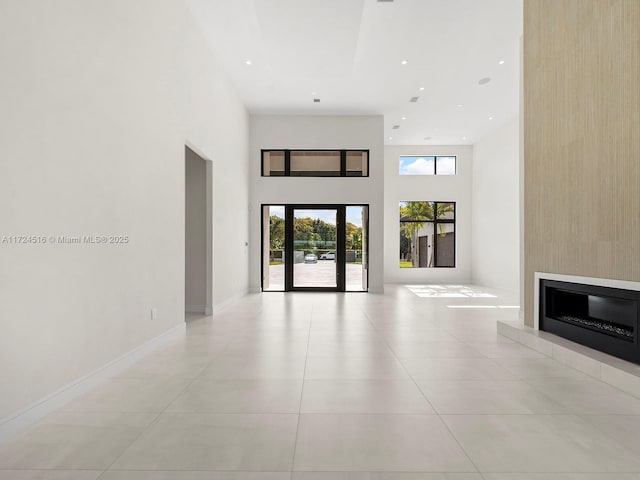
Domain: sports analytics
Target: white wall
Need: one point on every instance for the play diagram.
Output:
(218, 130)
(496, 209)
(98, 100)
(321, 132)
(445, 188)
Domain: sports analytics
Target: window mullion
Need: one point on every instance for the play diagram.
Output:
(287, 163)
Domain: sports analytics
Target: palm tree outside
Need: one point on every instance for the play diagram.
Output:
(413, 217)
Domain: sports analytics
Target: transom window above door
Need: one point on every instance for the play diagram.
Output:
(315, 163)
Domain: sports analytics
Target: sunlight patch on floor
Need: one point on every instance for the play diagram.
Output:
(447, 291)
(483, 306)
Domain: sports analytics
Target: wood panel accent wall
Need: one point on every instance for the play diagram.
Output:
(581, 139)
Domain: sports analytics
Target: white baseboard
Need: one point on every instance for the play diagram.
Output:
(205, 310)
(227, 303)
(197, 309)
(26, 417)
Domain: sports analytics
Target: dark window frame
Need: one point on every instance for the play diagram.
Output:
(343, 173)
(435, 165)
(436, 222)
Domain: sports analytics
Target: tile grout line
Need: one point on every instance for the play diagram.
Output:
(316, 306)
(432, 407)
(159, 414)
(304, 371)
(395, 356)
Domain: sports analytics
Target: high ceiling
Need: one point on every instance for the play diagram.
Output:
(349, 54)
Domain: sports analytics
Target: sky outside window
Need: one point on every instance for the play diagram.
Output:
(446, 165)
(417, 165)
(427, 165)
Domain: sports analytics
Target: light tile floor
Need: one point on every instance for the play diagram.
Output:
(320, 386)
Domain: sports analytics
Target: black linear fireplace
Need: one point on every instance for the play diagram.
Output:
(602, 318)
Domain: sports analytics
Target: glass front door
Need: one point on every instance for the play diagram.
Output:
(315, 247)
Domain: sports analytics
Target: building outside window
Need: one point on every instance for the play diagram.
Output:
(427, 234)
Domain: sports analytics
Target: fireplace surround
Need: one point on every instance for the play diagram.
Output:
(604, 318)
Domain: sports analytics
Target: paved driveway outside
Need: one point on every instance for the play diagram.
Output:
(321, 274)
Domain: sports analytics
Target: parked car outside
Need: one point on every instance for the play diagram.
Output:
(328, 256)
(310, 258)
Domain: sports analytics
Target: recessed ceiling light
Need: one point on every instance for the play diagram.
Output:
(464, 138)
(404, 62)
(421, 89)
(404, 118)
(459, 105)
(248, 62)
(501, 62)
(313, 94)
(490, 118)
(484, 81)
(390, 138)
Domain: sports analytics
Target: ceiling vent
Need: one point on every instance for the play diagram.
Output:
(385, 1)
(395, 127)
(316, 100)
(413, 99)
